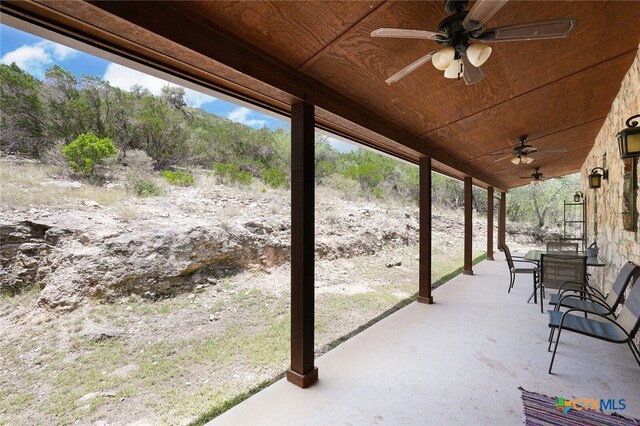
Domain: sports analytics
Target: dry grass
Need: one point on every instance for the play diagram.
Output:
(187, 363)
(182, 372)
(28, 185)
(128, 213)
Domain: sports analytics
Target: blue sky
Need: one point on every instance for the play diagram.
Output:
(35, 55)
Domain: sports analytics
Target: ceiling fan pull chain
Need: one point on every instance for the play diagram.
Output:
(460, 72)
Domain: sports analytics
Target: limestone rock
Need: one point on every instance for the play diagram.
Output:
(97, 332)
(181, 242)
(125, 371)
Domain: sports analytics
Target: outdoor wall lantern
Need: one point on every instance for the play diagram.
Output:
(595, 178)
(578, 197)
(629, 139)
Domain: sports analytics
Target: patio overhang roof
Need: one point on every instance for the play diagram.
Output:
(275, 54)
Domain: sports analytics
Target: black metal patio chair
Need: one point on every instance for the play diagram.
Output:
(623, 329)
(564, 270)
(562, 246)
(591, 300)
(513, 270)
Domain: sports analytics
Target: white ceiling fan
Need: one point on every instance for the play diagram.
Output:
(464, 38)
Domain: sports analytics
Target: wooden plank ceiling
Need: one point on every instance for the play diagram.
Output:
(558, 92)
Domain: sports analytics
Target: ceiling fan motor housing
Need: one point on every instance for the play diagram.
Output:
(457, 36)
(455, 6)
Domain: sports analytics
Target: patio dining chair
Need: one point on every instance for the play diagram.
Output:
(561, 271)
(591, 301)
(562, 246)
(623, 329)
(513, 270)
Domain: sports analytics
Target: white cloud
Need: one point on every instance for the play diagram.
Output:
(35, 58)
(241, 115)
(61, 52)
(123, 77)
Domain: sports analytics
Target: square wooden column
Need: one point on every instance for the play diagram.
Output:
(490, 223)
(468, 226)
(302, 373)
(502, 219)
(424, 292)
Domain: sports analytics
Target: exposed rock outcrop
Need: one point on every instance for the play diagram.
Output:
(92, 253)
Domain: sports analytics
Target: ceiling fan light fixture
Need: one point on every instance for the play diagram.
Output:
(515, 160)
(443, 58)
(478, 53)
(454, 70)
(526, 159)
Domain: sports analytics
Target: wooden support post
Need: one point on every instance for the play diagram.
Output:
(490, 223)
(468, 226)
(424, 292)
(302, 373)
(502, 219)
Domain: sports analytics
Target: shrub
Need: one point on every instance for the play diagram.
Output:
(367, 174)
(139, 161)
(377, 192)
(341, 183)
(231, 173)
(179, 178)
(348, 189)
(87, 151)
(142, 187)
(275, 178)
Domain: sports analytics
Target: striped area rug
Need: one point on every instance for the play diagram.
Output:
(541, 410)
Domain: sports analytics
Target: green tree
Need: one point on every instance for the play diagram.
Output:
(22, 121)
(326, 161)
(542, 204)
(447, 192)
(368, 169)
(160, 131)
(87, 151)
(175, 97)
(60, 92)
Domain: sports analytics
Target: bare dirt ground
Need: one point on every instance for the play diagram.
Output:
(169, 360)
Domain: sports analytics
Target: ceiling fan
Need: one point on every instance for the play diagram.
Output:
(463, 38)
(523, 153)
(537, 176)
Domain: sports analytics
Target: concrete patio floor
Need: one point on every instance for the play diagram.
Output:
(459, 361)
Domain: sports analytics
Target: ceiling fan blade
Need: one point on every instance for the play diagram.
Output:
(503, 158)
(528, 150)
(470, 73)
(410, 68)
(553, 150)
(402, 33)
(556, 28)
(481, 12)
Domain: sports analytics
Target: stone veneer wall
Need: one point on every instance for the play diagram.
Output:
(617, 246)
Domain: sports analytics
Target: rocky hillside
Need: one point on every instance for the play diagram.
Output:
(190, 237)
